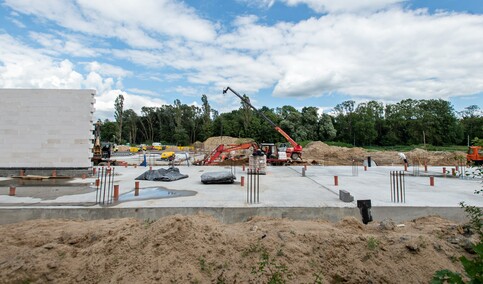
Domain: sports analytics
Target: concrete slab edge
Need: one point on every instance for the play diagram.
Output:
(230, 215)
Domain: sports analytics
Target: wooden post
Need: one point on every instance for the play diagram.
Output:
(116, 192)
(431, 181)
(136, 188)
(12, 191)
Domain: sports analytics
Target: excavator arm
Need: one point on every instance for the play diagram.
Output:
(295, 145)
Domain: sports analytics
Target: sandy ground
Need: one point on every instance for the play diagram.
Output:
(199, 249)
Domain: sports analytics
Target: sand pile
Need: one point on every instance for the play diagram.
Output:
(211, 143)
(321, 153)
(199, 249)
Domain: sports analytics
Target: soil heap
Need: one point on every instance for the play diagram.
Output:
(199, 249)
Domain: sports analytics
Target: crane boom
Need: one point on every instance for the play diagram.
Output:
(295, 145)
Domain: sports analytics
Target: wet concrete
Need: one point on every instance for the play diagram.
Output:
(45, 189)
(155, 193)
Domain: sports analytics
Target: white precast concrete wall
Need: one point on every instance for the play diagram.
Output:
(43, 128)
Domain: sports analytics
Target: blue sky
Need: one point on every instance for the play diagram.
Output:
(278, 52)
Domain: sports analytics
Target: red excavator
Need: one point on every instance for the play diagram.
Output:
(222, 152)
(294, 152)
(475, 155)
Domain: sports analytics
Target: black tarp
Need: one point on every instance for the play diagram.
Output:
(170, 174)
(218, 177)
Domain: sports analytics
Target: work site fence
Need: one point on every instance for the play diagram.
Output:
(398, 187)
(105, 185)
(253, 186)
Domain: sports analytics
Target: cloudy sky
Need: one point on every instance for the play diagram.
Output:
(278, 52)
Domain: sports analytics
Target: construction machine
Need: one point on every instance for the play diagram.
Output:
(475, 155)
(222, 152)
(294, 152)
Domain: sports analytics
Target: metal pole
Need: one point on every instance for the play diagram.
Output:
(97, 187)
(109, 185)
(258, 186)
(404, 187)
(104, 190)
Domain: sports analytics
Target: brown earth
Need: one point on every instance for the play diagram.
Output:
(199, 249)
(322, 153)
(318, 152)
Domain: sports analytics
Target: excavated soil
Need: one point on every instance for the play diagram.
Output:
(318, 152)
(199, 249)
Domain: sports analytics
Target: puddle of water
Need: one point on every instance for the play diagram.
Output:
(155, 193)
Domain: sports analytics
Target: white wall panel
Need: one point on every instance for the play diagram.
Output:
(46, 128)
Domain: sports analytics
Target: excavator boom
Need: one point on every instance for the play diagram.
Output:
(295, 145)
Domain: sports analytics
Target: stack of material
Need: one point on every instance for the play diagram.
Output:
(257, 164)
(171, 174)
(217, 177)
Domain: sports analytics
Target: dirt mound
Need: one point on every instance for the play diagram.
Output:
(199, 249)
(211, 143)
(324, 154)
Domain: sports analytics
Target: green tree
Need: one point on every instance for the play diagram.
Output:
(180, 135)
(472, 122)
(367, 116)
(207, 123)
(131, 123)
(344, 121)
(147, 121)
(326, 130)
(310, 119)
(109, 131)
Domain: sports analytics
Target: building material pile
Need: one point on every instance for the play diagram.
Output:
(170, 174)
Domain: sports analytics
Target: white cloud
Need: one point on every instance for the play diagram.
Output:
(338, 6)
(386, 53)
(68, 44)
(107, 69)
(105, 103)
(25, 67)
(126, 20)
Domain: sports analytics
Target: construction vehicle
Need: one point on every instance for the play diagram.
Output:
(224, 151)
(475, 155)
(294, 152)
(101, 151)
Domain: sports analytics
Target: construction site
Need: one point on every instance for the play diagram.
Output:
(229, 210)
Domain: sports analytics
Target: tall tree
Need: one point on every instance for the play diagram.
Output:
(207, 127)
(118, 109)
(472, 122)
(131, 119)
(344, 121)
(326, 130)
(109, 131)
(180, 134)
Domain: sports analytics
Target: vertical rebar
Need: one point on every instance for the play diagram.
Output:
(97, 187)
(258, 186)
(104, 189)
(391, 184)
(109, 185)
(403, 188)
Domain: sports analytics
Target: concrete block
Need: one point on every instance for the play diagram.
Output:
(345, 196)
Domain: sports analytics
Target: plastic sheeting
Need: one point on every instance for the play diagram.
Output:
(170, 174)
(217, 177)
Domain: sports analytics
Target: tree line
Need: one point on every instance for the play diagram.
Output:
(408, 122)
